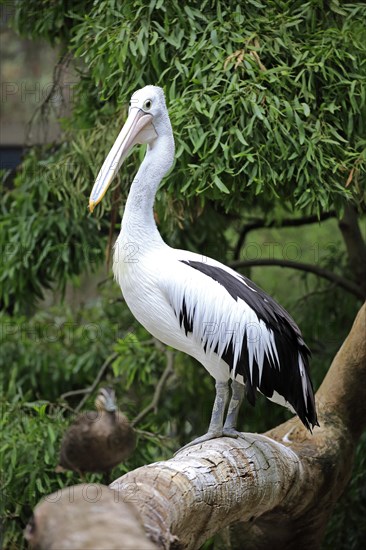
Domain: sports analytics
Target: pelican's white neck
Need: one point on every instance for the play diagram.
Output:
(138, 224)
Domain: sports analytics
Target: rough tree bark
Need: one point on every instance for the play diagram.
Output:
(85, 517)
(279, 488)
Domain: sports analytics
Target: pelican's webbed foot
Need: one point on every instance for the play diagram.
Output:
(215, 429)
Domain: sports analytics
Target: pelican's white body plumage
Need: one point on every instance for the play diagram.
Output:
(194, 303)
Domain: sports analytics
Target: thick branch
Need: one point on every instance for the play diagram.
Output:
(86, 516)
(277, 484)
(310, 268)
(343, 391)
(210, 486)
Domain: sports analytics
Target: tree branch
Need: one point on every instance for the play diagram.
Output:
(98, 378)
(168, 371)
(44, 108)
(350, 286)
(343, 391)
(194, 491)
(88, 391)
(287, 222)
(86, 516)
(355, 245)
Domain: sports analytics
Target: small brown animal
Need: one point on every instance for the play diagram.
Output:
(97, 440)
(87, 517)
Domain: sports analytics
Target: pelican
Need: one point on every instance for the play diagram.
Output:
(193, 303)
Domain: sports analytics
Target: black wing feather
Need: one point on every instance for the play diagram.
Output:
(285, 378)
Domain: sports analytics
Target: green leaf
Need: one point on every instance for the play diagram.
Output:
(240, 137)
(306, 109)
(220, 184)
(258, 111)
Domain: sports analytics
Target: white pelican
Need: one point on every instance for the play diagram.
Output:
(193, 303)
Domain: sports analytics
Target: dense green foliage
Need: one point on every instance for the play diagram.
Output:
(249, 89)
(33, 260)
(267, 103)
(268, 107)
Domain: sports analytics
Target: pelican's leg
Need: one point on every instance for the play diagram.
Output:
(218, 410)
(237, 395)
(217, 417)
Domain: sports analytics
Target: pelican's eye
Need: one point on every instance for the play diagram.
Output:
(147, 105)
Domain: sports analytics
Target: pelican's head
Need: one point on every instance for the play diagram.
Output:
(106, 400)
(151, 100)
(147, 120)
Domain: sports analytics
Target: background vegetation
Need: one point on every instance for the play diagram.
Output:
(268, 104)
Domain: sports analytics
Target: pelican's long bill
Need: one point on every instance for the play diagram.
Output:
(137, 129)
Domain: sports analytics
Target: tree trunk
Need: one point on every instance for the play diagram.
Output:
(278, 488)
(355, 245)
